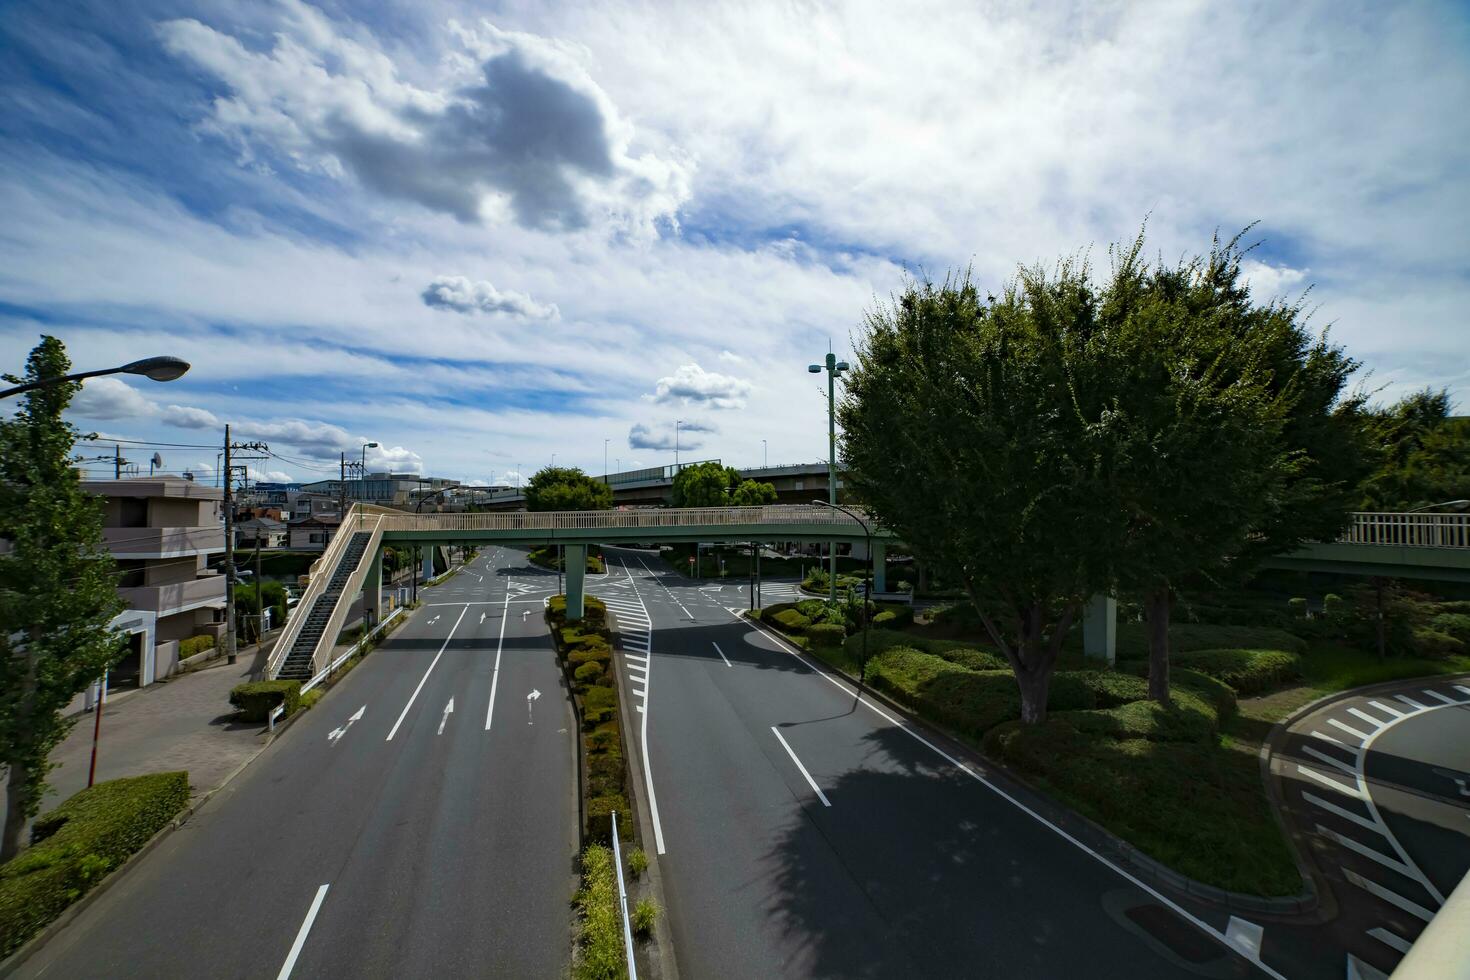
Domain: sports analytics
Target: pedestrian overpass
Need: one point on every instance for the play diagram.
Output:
(1408, 545)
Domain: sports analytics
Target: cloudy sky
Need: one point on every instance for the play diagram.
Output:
(481, 234)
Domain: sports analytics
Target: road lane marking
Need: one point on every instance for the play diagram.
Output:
(1365, 851)
(1462, 688)
(448, 710)
(1389, 939)
(1386, 709)
(1388, 895)
(316, 904)
(662, 586)
(658, 830)
(1324, 757)
(412, 697)
(1328, 782)
(1375, 722)
(1410, 702)
(1334, 741)
(1349, 815)
(533, 696)
(1347, 728)
(336, 734)
(806, 775)
(499, 645)
(722, 655)
(1441, 697)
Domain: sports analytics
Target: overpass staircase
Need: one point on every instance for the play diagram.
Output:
(336, 578)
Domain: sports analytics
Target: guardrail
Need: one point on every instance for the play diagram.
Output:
(1415, 530)
(351, 651)
(652, 519)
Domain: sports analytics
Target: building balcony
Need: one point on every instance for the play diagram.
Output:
(176, 597)
(162, 542)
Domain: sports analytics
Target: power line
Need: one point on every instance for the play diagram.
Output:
(143, 442)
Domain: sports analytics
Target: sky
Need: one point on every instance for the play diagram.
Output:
(483, 234)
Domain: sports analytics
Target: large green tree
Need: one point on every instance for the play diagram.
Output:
(970, 428)
(753, 493)
(710, 484)
(1424, 454)
(566, 488)
(57, 587)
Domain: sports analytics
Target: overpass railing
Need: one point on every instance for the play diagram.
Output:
(652, 519)
(1415, 530)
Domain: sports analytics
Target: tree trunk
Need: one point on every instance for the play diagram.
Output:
(16, 791)
(922, 585)
(1157, 604)
(1035, 686)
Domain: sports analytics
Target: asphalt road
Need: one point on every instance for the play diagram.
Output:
(804, 834)
(413, 841)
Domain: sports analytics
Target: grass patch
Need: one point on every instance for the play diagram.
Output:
(77, 844)
(1187, 637)
(1246, 671)
(599, 954)
(1330, 667)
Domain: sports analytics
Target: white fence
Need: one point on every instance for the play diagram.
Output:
(1415, 530)
(774, 516)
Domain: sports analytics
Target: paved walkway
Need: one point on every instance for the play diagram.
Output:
(1375, 789)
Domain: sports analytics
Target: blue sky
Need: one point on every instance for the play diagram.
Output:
(480, 234)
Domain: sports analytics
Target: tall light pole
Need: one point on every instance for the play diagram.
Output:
(867, 585)
(834, 369)
(765, 456)
(153, 368)
(362, 480)
(604, 461)
(677, 423)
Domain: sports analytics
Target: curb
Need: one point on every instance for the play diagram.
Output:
(1060, 816)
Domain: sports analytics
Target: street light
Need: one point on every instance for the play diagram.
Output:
(867, 583)
(677, 423)
(154, 368)
(765, 456)
(604, 461)
(834, 369)
(1451, 504)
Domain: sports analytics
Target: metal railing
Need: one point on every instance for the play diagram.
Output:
(774, 516)
(1415, 530)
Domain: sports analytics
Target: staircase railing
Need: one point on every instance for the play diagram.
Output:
(322, 655)
(318, 577)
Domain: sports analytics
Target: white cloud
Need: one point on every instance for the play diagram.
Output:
(692, 385)
(395, 460)
(110, 398)
(517, 129)
(460, 295)
(185, 417)
(1268, 282)
(668, 435)
(731, 357)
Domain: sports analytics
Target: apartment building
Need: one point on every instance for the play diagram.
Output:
(161, 531)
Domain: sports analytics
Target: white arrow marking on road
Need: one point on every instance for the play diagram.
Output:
(448, 710)
(524, 614)
(482, 618)
(530, 698)
(337, 733)
(434, 620)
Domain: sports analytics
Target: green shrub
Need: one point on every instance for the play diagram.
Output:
(1435, 644)
(599, 818)
(826, 634)
(1333, 606)
(1189, 718)
(1186, 637)
(1247, 671)
(973, 659)
(894, 615)
(637, 862)
(591, 653)
(605, 773)
(602, 739)
(790, 621)
(195, 645)
(1298, 607)
(599, 706)
(1221, 696)
(253, 701)
(645, 915)
(311, 697)
(1453, 624)
(812, 608)
(600, 931)
(587, 673)
(1111, 688)
(78, 843)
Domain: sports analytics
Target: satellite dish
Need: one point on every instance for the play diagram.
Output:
(155, 463)
(188, 476)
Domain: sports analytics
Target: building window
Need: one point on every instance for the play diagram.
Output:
(131, 574)
(132, 512)
(316, 537)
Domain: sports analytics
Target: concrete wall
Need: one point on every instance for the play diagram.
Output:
(166, 571)
(173, 512)
(165, 660)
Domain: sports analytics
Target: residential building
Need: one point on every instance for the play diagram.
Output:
(260, 532)
(161, 530)
(312, 533)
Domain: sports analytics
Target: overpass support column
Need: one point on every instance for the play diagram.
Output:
(372, 592)
(880, 573)
(576, 570)
(1100, 628)
(427, 551)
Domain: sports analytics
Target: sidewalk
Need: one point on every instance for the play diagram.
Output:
(183, 723)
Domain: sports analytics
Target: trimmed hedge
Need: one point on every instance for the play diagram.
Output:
(893, 615)
(826, 634)
(195, 645)
(599, 818)
(600, 931)
(75, 845)
(1246, 671)
(587, 673)
(1188, 637)
(254, 701)
(789, 621)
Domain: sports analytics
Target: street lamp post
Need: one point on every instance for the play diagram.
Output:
(677, 424)
(604, 461)
(153, 368)
(834, 369)
(362, 480)
(867, 583)
(765, 456)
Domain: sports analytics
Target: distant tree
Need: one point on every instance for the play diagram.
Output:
(1424, 453)
(751, 493)
(58, 589)
(970, 427)
(566, 488)
(704, 485)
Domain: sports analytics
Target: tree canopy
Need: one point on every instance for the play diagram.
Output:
(1424, 454)
(566, 488)
(710, 484)
(58, 590)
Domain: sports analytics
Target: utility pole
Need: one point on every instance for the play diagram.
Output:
(230, 541)
(117, 462)
(342, 486)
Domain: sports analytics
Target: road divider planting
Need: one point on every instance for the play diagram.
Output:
(76, 845)
(584, 651)
(599, 954)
